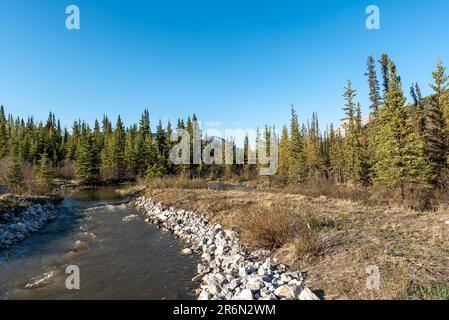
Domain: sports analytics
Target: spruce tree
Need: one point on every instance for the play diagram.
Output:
(130, 156)
(399, 158)
(283, 152)
(143, 143)
(297, 162)
(161, 144)
(248, 168)
(353, 169)
(87, 160)
(313, 148)
(385, 67)
(441, 90)
(437, 144)
(44, 174)
(72, 143)
(374, 94)
(112, 158)
(13, 177)
(419, 114)
(169, 166)
(3, 133)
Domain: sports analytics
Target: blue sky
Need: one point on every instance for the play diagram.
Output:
(238, 63)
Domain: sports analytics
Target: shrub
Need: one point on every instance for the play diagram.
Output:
(273, 227)
(269, 228)
(66, 170)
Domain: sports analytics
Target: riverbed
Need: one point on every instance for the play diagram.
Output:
(119, 255)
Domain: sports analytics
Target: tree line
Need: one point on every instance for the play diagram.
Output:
(401, 147)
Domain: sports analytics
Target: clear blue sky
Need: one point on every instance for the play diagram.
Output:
(240, 63)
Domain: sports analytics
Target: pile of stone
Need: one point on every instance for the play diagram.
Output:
(227, 271)
(23, 224)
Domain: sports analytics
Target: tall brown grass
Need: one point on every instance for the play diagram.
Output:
(276, 226)
(176, 183)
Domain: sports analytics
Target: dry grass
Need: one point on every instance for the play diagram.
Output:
(176, 183)
(273, 226)
(334, 241)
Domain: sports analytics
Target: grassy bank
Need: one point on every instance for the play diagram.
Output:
(333, 241)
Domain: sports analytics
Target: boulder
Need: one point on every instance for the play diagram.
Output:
(307, 294)
(286, 292)
(255, 283)
(245, 294)
(204, 295)
(234, 284)
(186, 251)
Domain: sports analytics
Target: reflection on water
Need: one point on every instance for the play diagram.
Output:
(119, 255)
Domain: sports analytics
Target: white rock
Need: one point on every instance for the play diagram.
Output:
(186, 251)
(286, 292)
(234, 284)
(242, 272)
(307, 294)
(214, 288)
(284, 278)
(204, 295)
(246, 294)
(219, 251)
(227, 270)
(219, 278)
(261, 271)
(254, 283)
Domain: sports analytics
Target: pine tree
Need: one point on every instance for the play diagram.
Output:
(248, 168)
(437, 144)
(419, 116)
(313, 148)
(143, 144)
(130, 156)
(112, 158)
(283, 153)
(44, 174)
(441, 89)
(168, 146)
(399, 159)
(353, 169)
(73, 140)
(162, 154)
(297, 162)
(374, 94)
(336, 160)
(13, 177)
(384, 63)
(87, 160)
(3, 133)
(98, 136)
(144, 128)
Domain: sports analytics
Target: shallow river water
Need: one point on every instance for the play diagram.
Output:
(119, 255)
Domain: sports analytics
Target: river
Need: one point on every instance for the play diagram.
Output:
(119, 255)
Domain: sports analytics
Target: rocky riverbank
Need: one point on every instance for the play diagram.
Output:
(16, 226)
(227, 271)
